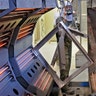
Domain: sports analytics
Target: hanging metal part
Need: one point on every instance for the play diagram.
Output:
(29, 3)
(59, 82)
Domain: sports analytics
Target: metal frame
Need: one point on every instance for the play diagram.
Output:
(59, 82)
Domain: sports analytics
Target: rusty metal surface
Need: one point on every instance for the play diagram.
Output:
(54, 58)
(92, 46)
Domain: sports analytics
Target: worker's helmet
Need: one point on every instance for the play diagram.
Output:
(68, 7)
(67, 3)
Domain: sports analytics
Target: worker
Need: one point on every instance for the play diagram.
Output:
(66, 16)
(68, 13)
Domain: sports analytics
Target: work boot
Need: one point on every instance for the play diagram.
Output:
(70, 92)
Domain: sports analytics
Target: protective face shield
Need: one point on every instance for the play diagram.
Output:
(67, 3)
(68, 7)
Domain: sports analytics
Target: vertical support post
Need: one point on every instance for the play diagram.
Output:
(83, 22)
(92, 47)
